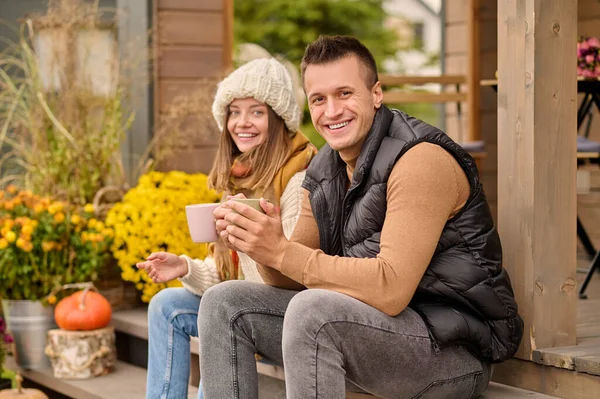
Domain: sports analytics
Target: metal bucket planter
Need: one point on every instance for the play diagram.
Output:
(29, 322)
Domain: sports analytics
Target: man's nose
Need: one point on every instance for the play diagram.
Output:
(333, 109)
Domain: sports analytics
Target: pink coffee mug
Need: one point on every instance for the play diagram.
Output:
(201, 222)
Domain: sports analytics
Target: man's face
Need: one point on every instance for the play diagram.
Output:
(342, 106)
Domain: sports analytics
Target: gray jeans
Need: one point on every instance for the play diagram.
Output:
(327, 342)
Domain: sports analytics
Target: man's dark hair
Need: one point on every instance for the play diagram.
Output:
(332, 48)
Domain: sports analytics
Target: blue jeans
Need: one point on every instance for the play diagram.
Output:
(172, 320)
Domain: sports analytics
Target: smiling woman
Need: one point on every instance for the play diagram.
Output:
(261, 154)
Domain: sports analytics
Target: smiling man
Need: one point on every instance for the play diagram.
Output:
(407, 296)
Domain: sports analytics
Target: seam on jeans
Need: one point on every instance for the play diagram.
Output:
(475, 383)
(368, 325)
(167, 384)
(440, 382)
(171, 332)
(315, 368)
(232, 320)
(176, 313)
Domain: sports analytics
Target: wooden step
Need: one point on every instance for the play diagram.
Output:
(585, 356)
(126, 382)
(135, 322)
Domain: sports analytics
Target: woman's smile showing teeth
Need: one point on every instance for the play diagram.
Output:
(247, 135)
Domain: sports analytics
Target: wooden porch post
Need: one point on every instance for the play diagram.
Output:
(537, 164)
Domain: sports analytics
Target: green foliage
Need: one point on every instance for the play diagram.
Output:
(285, 27)
(311, 133)
(429, 113)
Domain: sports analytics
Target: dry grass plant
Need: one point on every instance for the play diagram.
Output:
(184, 123)
(63, 139)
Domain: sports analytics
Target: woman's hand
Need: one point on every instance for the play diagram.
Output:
(163, 266)
(259, 235)
(219, 213)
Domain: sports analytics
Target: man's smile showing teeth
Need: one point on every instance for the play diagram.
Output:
(338, 125)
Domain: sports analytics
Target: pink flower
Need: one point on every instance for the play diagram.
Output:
(586, 73)
(593, 42)
(8, 339)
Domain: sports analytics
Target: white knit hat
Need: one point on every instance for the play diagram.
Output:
(267, 81)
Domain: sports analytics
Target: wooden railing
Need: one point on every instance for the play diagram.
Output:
(395, 95)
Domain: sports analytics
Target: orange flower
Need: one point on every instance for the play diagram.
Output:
(12, 189)
(59, 217)
(47, 246)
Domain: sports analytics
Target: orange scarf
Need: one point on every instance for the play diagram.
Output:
(301, 155)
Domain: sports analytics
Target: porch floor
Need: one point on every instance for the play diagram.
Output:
(585, 356)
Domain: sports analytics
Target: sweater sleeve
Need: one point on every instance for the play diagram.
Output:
(291, 207)
(425, 188)
(202, 274)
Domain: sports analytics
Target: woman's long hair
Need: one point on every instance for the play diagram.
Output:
(264, 160)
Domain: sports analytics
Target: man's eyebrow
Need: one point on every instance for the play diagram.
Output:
(339, 88)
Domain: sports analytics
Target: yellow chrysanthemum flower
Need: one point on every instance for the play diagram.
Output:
(150, 218)
(27, 229)
(10, 236)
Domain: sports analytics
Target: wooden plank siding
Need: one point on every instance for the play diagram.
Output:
(457, 62)
(193, 41)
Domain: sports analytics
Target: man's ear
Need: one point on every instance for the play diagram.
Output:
(377, 94)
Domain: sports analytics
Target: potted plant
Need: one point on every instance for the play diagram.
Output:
(66, 103)
(5, 339)
(588, 57)
(43, 244)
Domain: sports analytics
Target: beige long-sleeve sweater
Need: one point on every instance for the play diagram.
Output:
(426, 187)
(202, 274)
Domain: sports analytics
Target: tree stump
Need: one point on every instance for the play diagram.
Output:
(82, 354)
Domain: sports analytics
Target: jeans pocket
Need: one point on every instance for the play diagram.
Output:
(461, 387)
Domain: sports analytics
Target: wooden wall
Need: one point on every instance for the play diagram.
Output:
(456, 44)
(193, 40)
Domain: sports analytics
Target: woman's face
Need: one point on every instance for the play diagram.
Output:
(248, 123)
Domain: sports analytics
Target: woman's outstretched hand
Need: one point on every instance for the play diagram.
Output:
(163, 266)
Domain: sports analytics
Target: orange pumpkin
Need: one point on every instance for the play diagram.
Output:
(82, 311)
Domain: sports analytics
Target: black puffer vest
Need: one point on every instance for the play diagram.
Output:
(465, 296)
